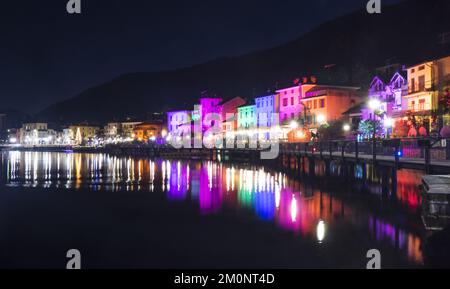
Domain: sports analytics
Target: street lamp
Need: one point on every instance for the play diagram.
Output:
(293, 124)
(346, 127)
(321, 119)
(374, 104)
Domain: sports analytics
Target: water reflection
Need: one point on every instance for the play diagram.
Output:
(304, 209)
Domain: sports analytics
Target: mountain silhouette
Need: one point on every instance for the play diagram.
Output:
(343, 51)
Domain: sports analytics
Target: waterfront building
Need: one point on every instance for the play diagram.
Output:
(210, 107)
(389, 94)
(325, 103)
(266, 108)
(247, 117)
(83, 133)
(148, 131)
(112, 130)
(176, 119)
(34, 133)
(424, 103)
(229, 115)
(289, 103)
(13, 136)
(127, 129)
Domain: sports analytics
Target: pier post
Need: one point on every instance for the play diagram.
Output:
(356, 150)
(327, 168)
(330, 148)
(312, 166)
(427, 159)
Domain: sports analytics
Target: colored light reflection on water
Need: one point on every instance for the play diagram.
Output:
(306, 211)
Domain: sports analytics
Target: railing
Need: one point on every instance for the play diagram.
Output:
(424, 150)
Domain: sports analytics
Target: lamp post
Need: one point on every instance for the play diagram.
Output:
(374, 104)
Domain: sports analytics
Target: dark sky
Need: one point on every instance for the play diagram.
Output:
(47, 55)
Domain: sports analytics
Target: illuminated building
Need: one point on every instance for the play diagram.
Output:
(325, 103)
(83, 133)
(426, 86)
(247, 117)
(148, 131)
(266, 108)
(127, 129)
(34, 133)
(289, 103)
(112, 129)
(210, 109)
(389, 94)
(177, 119)
(229, 114)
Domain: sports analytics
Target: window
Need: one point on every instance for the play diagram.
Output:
(315, 103)
(413, 104)
(422, 104)
(413, 85)
(292, 101)
(292, 115)
(421, 81)
(322, 103)
(422, 67)
(284, 101)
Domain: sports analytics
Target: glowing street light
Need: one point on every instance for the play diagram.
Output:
(346, 127)
(293, 124)
(321, 119)
(374, 104)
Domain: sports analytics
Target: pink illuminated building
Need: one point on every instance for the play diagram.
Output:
(290, 106)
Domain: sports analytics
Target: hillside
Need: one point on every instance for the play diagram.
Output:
(351, 47)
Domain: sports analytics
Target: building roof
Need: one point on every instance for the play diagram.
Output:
(354, 109)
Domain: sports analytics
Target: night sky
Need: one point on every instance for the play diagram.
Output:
(47, 55)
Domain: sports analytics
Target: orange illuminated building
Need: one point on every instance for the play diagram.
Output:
(147, 131)
(324, 103)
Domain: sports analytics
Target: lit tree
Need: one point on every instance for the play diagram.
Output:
(366, 128)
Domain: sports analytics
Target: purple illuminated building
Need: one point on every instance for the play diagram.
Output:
(389, 94)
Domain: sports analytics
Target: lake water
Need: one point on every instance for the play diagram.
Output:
(339, 217)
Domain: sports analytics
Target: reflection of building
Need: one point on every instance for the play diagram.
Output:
(147, 131)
